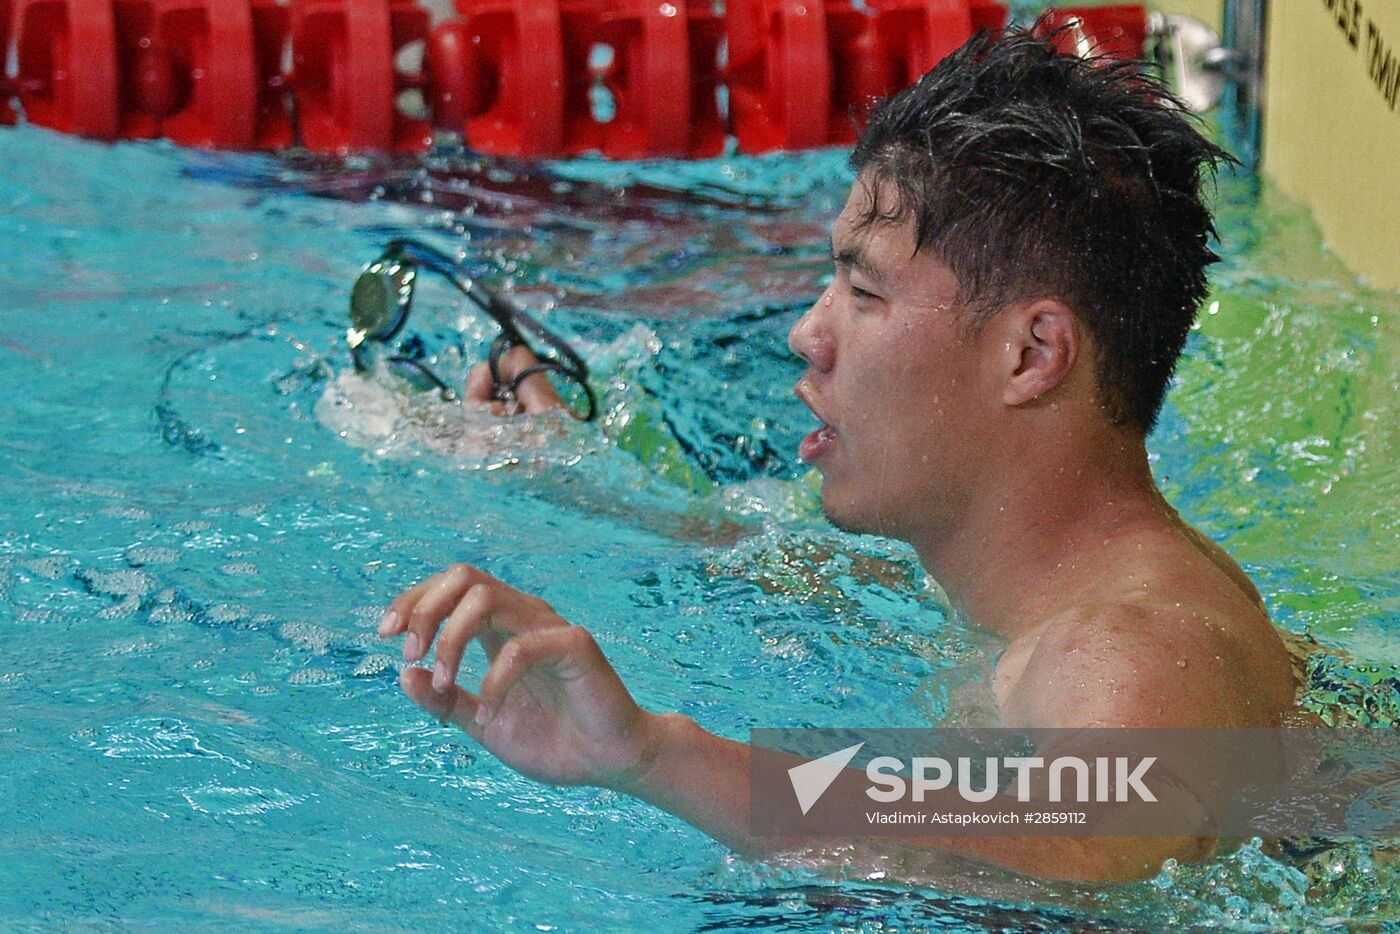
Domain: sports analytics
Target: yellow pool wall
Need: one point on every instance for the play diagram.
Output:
(1331, 136)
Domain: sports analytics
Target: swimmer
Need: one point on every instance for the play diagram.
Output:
(1016, 270)
(382, 300)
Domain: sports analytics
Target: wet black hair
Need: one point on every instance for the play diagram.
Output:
(1035, 173)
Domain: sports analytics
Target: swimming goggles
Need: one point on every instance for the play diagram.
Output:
(383, 297)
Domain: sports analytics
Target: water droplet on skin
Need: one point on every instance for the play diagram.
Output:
(1181, 663)
(828, 300)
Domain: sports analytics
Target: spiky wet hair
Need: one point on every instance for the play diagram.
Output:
(1034, 173)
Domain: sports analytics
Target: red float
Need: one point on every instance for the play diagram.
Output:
(150, 87)
(534, 98)
(580, 23)
(650, 78)
(225, 59)
(345, 82)
(454, 83)
(66, 51)
(779, 74)
(863, 71)
(988, 15)
(707, 125)
(518, 48)
(868, 51)
(1106, 31)
(918, 34)
(7, 109)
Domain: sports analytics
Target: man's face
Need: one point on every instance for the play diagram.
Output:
(893, 376)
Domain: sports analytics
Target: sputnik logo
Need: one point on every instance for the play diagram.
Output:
(810, 780)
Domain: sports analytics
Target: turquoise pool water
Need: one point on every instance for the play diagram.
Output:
(202, 515)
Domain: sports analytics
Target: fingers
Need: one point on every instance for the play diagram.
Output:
(469, 617)
(569, 650)
(475, 604)
(454, 705)
(418, 609)
(535, 394)
(395, 618)
(564, 648)
(479, 391)
(436, 602)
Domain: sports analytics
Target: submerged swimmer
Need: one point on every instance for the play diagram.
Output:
(1016, 270)
(380, 305)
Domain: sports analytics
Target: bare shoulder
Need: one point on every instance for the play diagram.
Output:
(1198, 661)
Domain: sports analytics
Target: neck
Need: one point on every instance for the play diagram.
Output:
(1045, 518)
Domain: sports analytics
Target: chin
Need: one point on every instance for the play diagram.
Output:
(852, 516)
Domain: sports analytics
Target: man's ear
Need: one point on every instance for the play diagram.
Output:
(1042, 344)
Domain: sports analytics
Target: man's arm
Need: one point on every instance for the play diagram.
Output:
(704, 780)
(553, 708)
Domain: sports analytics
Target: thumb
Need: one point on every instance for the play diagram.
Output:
(455, 705)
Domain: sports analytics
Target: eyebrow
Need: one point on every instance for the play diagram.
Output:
(853, 257)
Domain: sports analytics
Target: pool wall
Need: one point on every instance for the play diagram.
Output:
(1332, 127)
(1331, 123)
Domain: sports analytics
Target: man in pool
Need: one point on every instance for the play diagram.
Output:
(1016, 270)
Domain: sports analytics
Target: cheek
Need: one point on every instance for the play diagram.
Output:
(920, 390)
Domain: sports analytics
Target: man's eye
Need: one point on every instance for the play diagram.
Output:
(863, 295)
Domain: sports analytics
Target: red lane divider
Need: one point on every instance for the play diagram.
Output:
(650, 77)
(1110, 31)
(919, 34)
(517, 48)
(7, 88)
(518, 77)
(513, 77)
(206, 72)
(455, 82)
(779, 74)
(67, 66)
(344, 78)
(233, 51)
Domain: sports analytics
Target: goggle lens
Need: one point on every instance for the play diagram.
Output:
(380, 299)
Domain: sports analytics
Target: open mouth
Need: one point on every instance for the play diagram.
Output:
(816, 443)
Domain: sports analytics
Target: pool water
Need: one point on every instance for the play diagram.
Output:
(203, 512)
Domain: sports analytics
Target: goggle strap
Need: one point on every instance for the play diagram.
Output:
(510, 391)
(443, 389)
(511, 318)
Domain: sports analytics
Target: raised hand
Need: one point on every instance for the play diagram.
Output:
(535, 394)
(550, 706)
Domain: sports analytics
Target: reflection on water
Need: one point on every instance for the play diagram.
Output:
(205, 510)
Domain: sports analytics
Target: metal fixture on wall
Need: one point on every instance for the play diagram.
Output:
(1243, 65)
(1206, 70)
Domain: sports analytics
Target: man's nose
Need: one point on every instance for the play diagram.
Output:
(809, 337)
